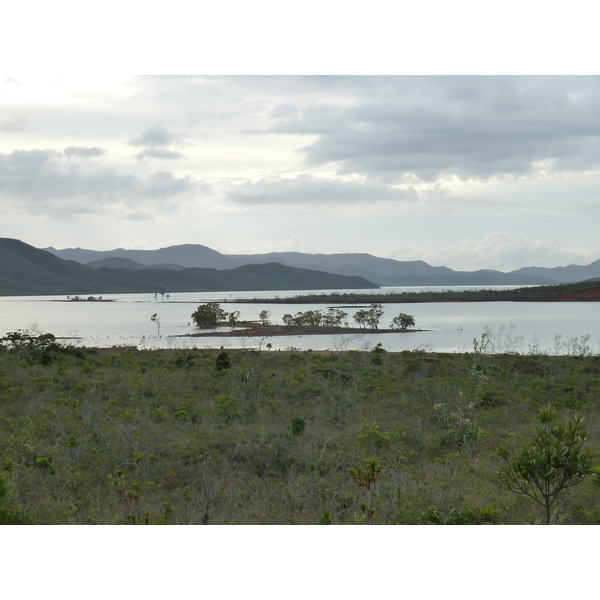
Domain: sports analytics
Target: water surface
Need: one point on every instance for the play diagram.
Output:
(451, 327)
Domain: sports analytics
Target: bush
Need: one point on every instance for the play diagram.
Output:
(466, 516)
(208, 315)
(222, 362)
(553, 461)
(297, 425)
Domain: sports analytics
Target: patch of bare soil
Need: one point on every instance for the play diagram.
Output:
(589, 295)
(279, 330)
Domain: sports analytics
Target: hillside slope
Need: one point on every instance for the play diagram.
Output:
(25, 270)
(382, 271)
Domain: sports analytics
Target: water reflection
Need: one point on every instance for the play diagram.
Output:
(448, 327)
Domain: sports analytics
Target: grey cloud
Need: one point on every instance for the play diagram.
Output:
(473, 127)
(20, 164)
(163, 184)
(13, 125)
(285, 110)
(305, 189)
(496, 250)
(153, 137)
(138, 216)
(83, 152)
(40, 178)
(160, 154)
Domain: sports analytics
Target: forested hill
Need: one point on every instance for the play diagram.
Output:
(382, 271)
(25, 270)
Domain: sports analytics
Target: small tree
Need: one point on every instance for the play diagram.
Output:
(369, 317)
(552, 462)
(296, 425)
(208, 315)
(222, 362)
(402, 321)
(264, 317)
(360, 317)
(334, 317)
(375, 314)
(156, 320)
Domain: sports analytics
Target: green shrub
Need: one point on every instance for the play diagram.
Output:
(466, 516)
(296, 425)
(181, 415)
(44, 464)
(222, 362)
(228, 408)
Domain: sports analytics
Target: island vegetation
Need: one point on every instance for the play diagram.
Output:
(584, 291)
(88, 299)
(126, 436)
(210, 315)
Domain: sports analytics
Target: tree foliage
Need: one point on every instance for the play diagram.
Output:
(369, 318)
(402, 321)
(552, 462)
(208, 315)
(334, 317)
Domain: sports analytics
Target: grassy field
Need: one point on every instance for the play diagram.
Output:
(125, 436)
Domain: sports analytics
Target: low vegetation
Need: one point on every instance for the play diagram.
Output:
(567, 292)
(92, 436)
(335, 321)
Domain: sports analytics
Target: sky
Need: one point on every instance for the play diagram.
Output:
(468, 171)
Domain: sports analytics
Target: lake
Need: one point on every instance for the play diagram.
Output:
(557, 328)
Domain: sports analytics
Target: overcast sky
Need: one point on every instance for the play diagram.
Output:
(463, 171)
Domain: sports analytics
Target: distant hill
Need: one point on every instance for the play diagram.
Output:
(270, 276)
(25, 270)
(568, 274)
(116, 262)
(382, 271)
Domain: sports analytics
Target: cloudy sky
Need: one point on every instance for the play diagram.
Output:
(464, 171)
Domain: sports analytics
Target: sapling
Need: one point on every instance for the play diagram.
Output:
(156, 320)
(550, 463)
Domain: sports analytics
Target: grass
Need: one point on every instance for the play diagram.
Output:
(126, 436)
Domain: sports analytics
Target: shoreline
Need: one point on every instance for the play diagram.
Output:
(283, 330)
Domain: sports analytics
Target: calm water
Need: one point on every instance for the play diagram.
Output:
(451, 326)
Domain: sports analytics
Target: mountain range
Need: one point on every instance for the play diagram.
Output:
(382, 271)
(25, 270)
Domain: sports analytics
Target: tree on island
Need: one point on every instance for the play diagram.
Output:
(208, 315)
(402, 321)
(369, 318)
(335, 317)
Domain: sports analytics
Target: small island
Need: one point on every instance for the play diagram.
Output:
(210, 315)
(88, 299)
(254, 329)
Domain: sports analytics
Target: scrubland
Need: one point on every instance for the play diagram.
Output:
(124, 436)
